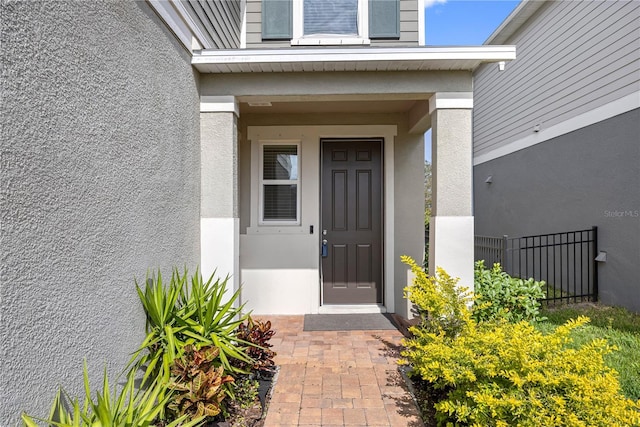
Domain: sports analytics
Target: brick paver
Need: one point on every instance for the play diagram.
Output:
(337, 378)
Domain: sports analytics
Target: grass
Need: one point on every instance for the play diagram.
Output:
(617, 325)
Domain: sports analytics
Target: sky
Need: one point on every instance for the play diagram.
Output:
(462, 23)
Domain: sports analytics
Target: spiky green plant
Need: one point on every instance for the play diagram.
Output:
(210, 320)
(128, 408)
(179, 314)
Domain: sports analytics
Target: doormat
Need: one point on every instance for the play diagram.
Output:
(348, 322)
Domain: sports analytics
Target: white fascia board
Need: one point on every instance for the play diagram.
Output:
(243, 30)
(514, 21)
(195, 28)
(173, 20)
(252, 56)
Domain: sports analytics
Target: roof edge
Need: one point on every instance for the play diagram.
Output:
(514, 21)
(491, 53)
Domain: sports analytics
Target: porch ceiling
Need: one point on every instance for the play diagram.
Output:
(319, 107)
(350, 59)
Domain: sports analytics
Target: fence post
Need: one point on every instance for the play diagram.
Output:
(503, 258)
(594, 229)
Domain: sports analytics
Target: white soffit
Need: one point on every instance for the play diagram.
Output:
(357, 59)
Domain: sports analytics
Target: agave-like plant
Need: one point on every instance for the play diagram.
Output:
(161, 306)
(129, 408)
(179, 314)
(210, 320)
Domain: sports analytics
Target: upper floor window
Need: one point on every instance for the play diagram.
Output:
(330, 17)
(330, 22)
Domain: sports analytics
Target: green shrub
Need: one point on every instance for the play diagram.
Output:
(245, 391)
(497, 373)
(500, 296)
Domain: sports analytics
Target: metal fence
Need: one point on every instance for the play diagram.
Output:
(564, 261)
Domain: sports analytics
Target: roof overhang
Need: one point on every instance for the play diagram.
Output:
(350, 59)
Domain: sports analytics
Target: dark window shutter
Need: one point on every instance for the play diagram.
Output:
(277, 19)
(384, 19)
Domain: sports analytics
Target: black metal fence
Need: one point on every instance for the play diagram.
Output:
(565, 261)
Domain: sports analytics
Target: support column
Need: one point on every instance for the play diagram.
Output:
(451, 226)
(219, 220)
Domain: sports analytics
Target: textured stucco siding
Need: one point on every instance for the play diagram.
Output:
(578, 180)
(573, 56)
(99, 181)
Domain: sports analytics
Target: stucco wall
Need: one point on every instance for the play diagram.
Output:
(99, 181)
(583, 178)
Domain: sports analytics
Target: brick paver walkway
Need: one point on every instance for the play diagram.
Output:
(337, 378)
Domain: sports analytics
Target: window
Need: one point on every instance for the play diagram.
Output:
(279, 184)
(330, 22)
(330, 17)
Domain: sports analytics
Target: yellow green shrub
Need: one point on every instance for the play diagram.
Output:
(439, 302)
(509, 374)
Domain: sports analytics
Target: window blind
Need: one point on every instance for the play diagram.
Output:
(331, 17)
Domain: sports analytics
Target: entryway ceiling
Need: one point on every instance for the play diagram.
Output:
(305, 107)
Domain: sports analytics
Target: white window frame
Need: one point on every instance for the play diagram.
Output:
(299, 39)
(262, 182)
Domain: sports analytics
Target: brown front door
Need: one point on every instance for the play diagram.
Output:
(352, 219)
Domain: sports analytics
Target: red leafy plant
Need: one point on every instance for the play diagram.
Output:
(197, 381)
(257, 334)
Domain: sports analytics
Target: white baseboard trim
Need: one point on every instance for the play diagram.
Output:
(351, 309)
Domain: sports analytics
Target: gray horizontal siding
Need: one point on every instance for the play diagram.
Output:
(221, 18)
(408, 27)
(571, 58)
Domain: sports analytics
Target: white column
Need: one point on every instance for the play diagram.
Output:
(219, 221)
(451, 226)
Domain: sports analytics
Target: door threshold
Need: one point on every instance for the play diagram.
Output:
(351, 309)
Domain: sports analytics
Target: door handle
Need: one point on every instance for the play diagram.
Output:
(325, 248)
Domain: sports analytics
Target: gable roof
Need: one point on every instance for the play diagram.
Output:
(514, 21)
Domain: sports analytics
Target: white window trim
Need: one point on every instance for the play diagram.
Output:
(299, 39)
(262, 182)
